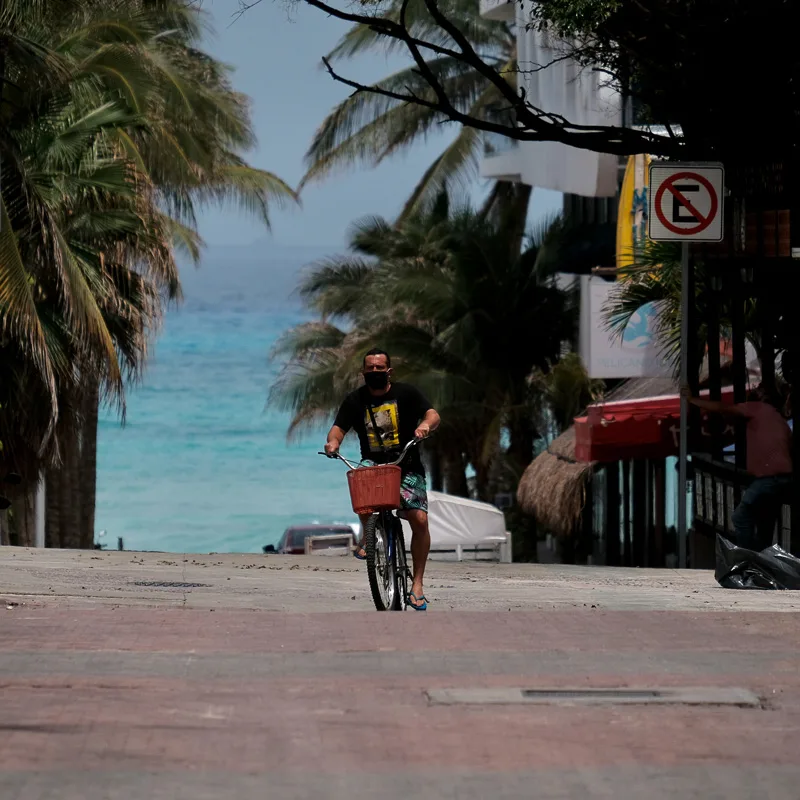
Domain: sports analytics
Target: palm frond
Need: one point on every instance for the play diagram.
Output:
(654, 279)
(455, 168)
(18, 314)
(253, 190)
(482, 33)
(368, 128)
(336, 286)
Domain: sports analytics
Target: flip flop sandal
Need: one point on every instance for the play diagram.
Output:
(423, 600)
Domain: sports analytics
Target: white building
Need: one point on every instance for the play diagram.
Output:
(563, 88)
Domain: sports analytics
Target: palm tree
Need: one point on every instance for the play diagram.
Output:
(463, 321)
(93, 310)
(368, 128)
(561, 393)
(114, 124)
(197, 126)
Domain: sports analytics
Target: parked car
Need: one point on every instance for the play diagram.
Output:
(293, 541)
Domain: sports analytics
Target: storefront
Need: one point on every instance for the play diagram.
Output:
(608, 485)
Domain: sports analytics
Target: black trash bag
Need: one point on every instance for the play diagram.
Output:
(739, 568)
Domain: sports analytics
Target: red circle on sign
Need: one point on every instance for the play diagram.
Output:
(704, 221)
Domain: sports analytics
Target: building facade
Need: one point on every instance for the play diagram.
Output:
(560, 86)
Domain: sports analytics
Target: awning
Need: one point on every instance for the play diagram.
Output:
(647, 427)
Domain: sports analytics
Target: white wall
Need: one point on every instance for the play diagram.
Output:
(573, 92)
(498, 9)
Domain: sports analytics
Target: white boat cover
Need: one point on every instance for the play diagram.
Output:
(457, 521)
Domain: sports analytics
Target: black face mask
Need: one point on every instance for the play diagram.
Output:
(376, 380)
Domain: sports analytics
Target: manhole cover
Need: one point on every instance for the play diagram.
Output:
(692, 695)
(170, 584)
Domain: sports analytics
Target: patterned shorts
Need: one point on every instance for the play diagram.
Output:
(413, 491)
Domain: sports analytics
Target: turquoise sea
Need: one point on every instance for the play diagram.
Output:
(201, 465)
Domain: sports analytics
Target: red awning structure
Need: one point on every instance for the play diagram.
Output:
(647, 427)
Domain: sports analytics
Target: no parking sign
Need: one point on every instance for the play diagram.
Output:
(687, 202)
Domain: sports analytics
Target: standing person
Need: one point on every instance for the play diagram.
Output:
(769, 460)
(386, 415)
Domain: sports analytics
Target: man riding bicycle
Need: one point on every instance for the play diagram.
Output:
(385, 415)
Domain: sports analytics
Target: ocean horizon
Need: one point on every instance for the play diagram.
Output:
(201, 464)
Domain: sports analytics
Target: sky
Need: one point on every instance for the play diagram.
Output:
(275, 48)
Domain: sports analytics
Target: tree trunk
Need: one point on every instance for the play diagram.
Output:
(87, 491)
(455, 474)
(4, 538)
(432, 458)
(24, 510)
(28, 530)
(483, 482)
(522, 433)
(53, 501)
(507, 206)
(516, 216)
(69, 496)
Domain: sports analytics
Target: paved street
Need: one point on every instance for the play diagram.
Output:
(274, 679)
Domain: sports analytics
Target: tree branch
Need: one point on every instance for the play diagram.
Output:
(422, 65)
(533, 124)
(536, 67)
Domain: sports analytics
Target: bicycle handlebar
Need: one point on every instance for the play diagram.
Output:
(396, 463)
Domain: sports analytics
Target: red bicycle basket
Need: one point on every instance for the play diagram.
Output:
(374, 488)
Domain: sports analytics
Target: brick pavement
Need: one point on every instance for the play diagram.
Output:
(119, 702)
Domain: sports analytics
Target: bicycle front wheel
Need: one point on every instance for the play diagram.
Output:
(403, 573)
(381, 564)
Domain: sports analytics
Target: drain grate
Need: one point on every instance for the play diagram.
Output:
(691, 695)
(170, 584)
(593, 694)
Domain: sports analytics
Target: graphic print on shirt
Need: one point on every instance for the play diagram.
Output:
(386, 419)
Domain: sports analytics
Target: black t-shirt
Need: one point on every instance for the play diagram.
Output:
(397, 415)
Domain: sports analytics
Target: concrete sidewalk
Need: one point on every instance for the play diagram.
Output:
(306, 584)
(113, 688)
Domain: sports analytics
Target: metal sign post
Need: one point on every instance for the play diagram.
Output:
(683, 488)
(687, 207)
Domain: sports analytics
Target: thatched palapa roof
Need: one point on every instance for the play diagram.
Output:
(553, 487)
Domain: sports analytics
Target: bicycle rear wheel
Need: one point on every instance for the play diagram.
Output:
(381, 562)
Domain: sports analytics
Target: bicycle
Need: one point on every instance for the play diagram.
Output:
(387, 566)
